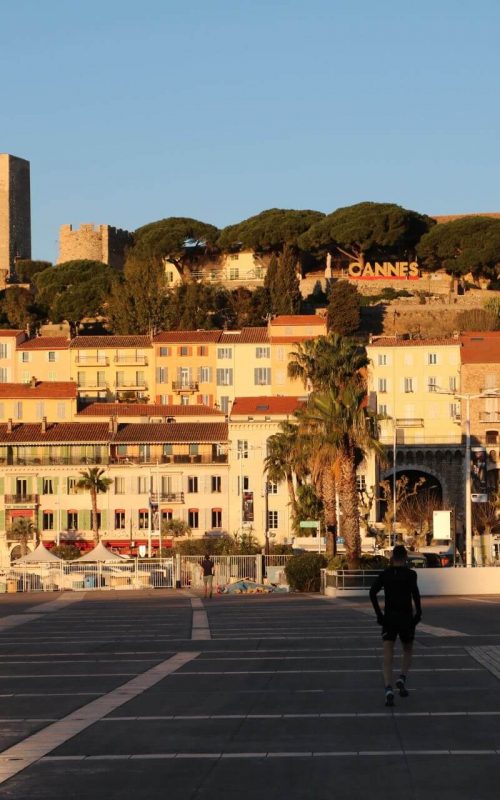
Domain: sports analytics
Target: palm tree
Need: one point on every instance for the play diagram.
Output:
(93, 481)
(22, 531)
(283, 459)
(337, 424)
(326, 362)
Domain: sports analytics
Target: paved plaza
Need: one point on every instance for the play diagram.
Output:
(159, 694)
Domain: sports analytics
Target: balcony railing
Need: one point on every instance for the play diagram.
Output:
(489, 416)
(92, 361)
(90, 384)
(206, 458)
(185, 386)
(51, 461)
(167, 497)
(131, 361)
(21, 499)
(130, 385)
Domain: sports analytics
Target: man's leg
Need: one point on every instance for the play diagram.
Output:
(205, 586)
(388, 659)
(407, 656)
(210, 585)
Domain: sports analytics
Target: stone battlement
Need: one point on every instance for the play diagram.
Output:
(95, 243)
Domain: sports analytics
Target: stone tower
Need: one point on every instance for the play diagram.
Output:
(15, 213)
(95, 243)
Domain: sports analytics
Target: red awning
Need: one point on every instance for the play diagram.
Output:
(21, 512)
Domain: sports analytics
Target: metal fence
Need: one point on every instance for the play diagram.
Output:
(183, 571)
(346, 579)
(48, 577)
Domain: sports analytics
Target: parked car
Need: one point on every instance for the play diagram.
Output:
(417, 561)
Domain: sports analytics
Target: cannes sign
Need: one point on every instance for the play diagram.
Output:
(398, 270)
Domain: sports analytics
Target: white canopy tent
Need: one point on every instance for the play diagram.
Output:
(101, 553)
(39, 555)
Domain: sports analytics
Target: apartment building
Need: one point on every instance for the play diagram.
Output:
(45, 358)
(149, 412)
(284, 333)
(54, 400)
(10, 340)
(112, 367)
(185, 364)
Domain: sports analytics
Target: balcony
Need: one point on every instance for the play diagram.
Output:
(21, 500)
(489, 416)
(131, 386)
(206, 458)
(86, 360)
(52, 461)
(184, 386)
(131, 361)
(91, 385)
(167, 497)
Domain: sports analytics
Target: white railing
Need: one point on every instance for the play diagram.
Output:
(228, 569)
(75, 576)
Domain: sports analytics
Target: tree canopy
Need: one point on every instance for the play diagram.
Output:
(470, 244)
(344, 305)
(26, 268)
(74, 289)
(270, 230)
(175, 238)
(282, 282)
(367, 230)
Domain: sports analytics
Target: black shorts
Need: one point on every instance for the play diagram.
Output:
(404, 628)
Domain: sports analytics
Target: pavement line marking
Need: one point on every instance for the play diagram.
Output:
(200, 628)
(56, 605)
(488, 656)
(270, 754)
(34, 747)
(435, 631)
(71, 675)
(480, 600)
(316, 671)
(13, 620)
(333, 715)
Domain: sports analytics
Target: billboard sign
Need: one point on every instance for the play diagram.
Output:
(397, 270)
(478, 472)
(247, 501)
(441, 524)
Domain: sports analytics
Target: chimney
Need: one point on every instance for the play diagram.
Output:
(44, 424)
(9, 425)
(113, 425)
(33, 382)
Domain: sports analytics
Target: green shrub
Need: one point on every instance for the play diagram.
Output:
(368, 561)
(338, 562)
(66, 551)
(303, 572)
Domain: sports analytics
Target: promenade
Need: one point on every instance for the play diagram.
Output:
(157, 694)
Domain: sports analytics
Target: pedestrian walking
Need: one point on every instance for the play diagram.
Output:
(207, 566)
(398, 618)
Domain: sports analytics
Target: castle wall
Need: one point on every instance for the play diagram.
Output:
(15, 213)
(94, 243)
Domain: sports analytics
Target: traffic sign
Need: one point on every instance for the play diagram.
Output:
(309, 523)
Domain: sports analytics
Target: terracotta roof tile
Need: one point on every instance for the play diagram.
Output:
(10, 332)
(151, 432)
(147, 410)
(452, 217)
(62, 390)
(245, 336)
(390, 341)
(265, 406)
(67, 432)
(45, 343)
(102, 342)
(299, 319)
(292, 339)
(174, 337)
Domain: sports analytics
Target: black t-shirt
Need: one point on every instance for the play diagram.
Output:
(207, 566)
(400, 587)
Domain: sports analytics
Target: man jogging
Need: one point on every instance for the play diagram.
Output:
(207, 566)
(398, 619)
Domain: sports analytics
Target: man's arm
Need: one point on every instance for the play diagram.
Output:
(376, 586)
(416, 600)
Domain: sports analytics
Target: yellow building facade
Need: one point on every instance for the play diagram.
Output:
(112, 367)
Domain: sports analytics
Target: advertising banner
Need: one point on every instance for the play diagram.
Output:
(478, 471)
(247, 501)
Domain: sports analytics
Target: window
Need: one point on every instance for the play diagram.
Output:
(48, 520)
(205, 375)
(169, 277)
(40, 410)
(491, 437)
(184, 400)
(382, 385)
(25, 357)
(361, 483)
(61, 411)
(142, 485)
(432, 358)
(216, 518)
(432, 384)
(234, 273)
(272, 520)
(262, 376)
(224, 352)
(242, 448)
(203, 350)
(192, 484)
(119, 520)
(224, 377)
(26, 376)
(73, 520)
(4, 375)
(2, 410)
(262, 352)
(382, 410)
(18, 410)
(120, 485)
(245, 480)
(272, 487)
(408, 382)
(47, 486)
(4, 350)
(453, 383)
(184, 350)
(382, 360)
(193, 518)
(161, 375)
(143, 519)
(51, 356)
(224, 404)
(164, 351)
(455, 411)
(216, 483)
(280, 354)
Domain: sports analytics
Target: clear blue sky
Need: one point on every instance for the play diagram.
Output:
(217, 109)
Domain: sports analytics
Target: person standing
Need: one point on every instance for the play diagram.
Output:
(207, 566)
(398, 617)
